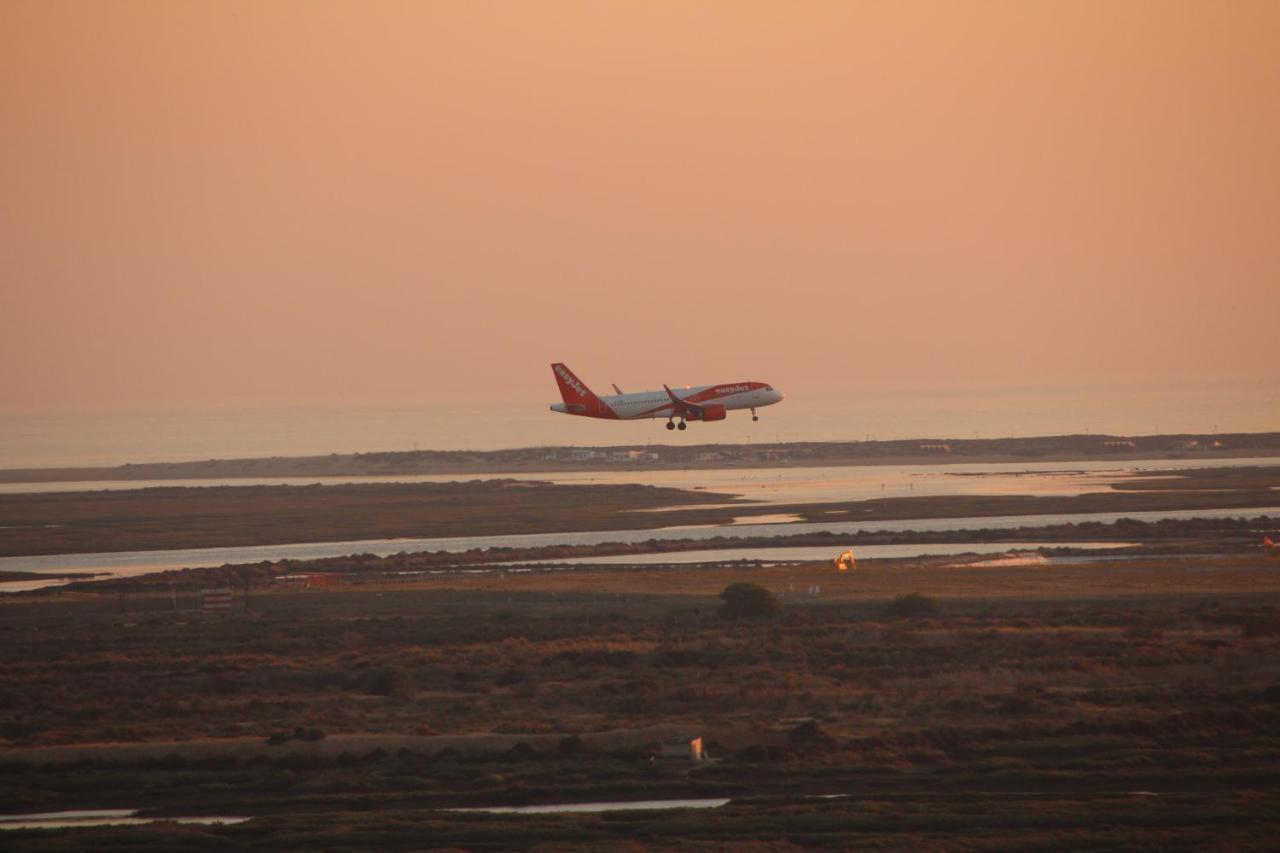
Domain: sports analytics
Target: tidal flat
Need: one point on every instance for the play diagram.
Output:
(227, 516)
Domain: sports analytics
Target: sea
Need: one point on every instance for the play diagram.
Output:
(98, 438)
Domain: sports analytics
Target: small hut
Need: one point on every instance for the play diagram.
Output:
(689, 749)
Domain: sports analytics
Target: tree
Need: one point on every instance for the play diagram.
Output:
(749, 601)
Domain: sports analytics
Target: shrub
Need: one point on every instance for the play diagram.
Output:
(1260, 626)
(809, 732)
(510, 677)
(571, 745)
(749, 601)
(390, 681)
(522, 752)
(912, 606)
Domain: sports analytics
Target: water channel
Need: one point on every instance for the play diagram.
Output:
(132, 563)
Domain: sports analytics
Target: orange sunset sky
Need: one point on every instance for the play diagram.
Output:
(226, 203)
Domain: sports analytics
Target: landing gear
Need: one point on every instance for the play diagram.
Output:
(671, 425)
(754, 416)
(682, 425)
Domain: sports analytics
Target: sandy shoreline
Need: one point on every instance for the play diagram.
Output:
(1092, 448)
(229, 516)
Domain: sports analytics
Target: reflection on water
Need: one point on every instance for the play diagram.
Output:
(775, 485)
(577, 808)
(772, 518)
(99, 817)
(132, 563)
(866, 482)
(114, 438)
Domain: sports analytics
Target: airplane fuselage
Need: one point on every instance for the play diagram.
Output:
(656, 404)
(695, 403)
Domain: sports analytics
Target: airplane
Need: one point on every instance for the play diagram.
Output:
(698, 403)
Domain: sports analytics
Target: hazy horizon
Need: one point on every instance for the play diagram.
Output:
(212, 206)
(171, 435)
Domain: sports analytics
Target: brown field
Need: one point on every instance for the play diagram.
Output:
(149, 519)
(1024, 714)
(162, 518)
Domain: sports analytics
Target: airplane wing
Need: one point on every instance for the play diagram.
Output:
(683, 407)
(617, 390)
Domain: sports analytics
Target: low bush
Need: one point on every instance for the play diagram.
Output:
(912, 606)
(749, 601)
(390, 681)
(1260, 626)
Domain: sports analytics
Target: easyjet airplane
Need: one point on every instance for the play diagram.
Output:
(699, 403)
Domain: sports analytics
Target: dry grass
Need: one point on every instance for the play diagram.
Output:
(882, 579)
(1020, 716)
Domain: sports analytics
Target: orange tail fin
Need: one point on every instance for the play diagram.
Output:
(578, 398)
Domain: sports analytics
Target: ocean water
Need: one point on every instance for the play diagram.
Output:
(115, 438)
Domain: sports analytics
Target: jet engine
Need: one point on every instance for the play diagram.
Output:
(713, 412)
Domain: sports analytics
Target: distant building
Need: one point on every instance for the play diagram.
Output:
(1124, 444)
(216, 600)
(689, 750)
(945, 448)
(313, 580)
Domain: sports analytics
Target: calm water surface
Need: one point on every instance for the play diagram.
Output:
(132, 563)
(89, 439)
(587, 808)
(99, 817)
(774, 485)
